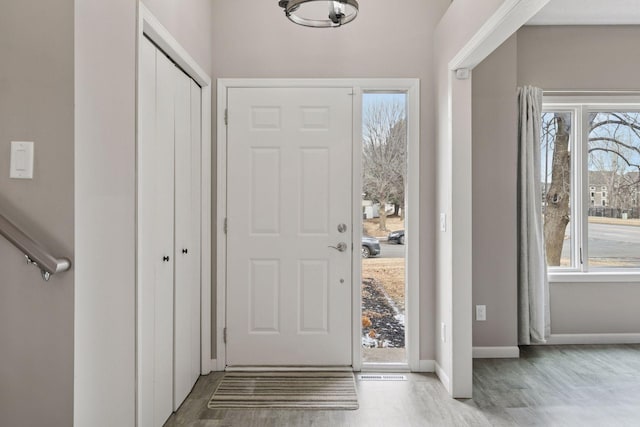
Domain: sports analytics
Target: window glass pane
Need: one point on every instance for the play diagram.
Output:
(555, 162)
(614, 168)
(384, 175)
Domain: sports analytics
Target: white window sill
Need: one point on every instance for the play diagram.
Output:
(628, 276)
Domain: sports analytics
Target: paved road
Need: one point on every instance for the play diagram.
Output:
(615, 233)
(391, 251)
(620, 243)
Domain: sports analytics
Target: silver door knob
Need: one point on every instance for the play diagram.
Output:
(342, 246)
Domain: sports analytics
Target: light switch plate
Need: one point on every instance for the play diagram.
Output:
(443, 222)
(21, 160)
(481, 313)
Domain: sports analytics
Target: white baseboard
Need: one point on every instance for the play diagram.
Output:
(496, 352)
(426, 366)
(557, 339)
(444, 378)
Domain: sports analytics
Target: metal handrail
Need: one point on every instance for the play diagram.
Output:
(35, 254)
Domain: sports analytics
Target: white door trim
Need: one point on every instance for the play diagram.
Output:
(150, 27)
(412, 88)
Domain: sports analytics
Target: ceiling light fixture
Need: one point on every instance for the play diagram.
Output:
(320, 13)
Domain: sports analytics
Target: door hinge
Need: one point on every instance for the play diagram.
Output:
(226, 116)
(224, 227)
(224, 335)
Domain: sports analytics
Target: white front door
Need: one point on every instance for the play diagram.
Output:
(288, 202)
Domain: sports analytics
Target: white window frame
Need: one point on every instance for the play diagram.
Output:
(580, 107)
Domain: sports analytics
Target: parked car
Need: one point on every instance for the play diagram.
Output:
(396, 237)
(370, 246)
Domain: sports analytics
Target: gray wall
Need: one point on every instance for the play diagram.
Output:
(494, 196)
(36, 317)
(579, 57)
(189, 22)
(595, 308)
(264, 43)
(553, 58)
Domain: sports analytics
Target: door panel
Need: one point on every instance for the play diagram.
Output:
(187, 235)
(289, 187)
(187, 263)
(313, 283)
(264, 296)
(155, 236)
(265, 191)
(314, 192)
(164, 214)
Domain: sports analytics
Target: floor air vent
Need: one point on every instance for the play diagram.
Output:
(366, 377)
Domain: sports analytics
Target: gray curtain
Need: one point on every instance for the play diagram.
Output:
(533, 286)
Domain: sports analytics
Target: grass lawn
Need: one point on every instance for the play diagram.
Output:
(370, 226)
(613, 221)
(390, 273)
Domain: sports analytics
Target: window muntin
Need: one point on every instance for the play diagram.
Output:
(603, 228)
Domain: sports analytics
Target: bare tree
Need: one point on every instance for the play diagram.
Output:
(614, 153)
(384, 155)
(556, 200)
(399, 141)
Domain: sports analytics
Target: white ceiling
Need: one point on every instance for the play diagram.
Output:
(588, 12)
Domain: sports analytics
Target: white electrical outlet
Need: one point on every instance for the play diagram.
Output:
(481, 313)
(443, 332)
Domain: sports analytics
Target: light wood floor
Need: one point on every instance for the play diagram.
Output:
(547, 386)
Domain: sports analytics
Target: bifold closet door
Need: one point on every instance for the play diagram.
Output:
(168, 236)
(187, 235)
(156, 236)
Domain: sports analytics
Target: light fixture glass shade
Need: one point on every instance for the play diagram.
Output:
(320, 13)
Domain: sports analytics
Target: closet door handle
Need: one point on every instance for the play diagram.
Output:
(165, 258)
(185, 251)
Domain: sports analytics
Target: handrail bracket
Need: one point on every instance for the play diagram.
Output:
(34, 253)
